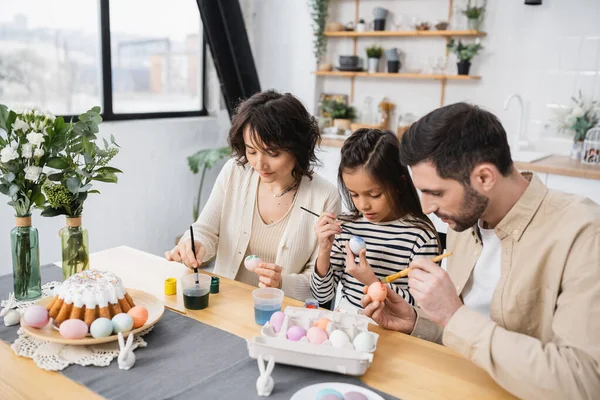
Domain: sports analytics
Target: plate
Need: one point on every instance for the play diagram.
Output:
(48, 333)
(310, 392)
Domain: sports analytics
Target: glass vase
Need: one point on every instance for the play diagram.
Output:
(75, 248)
(24, 241)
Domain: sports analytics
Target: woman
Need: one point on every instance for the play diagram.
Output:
(254, 207)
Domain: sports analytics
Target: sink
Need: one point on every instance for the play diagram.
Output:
(529, 156)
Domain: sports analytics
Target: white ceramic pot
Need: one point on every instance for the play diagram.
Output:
(373, 65)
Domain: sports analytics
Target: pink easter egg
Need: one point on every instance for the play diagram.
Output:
(355, 396)
(36, 316)
(316, 335)
(377, 291)
(295, 333)
(73, 329)
(277, 320)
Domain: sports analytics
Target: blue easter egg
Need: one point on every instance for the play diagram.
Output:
(357, 244)
(102, 327)
(325, 394)
(122, 323)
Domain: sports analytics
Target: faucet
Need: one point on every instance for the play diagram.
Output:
(518, 134)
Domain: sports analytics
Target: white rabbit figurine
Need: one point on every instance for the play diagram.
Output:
(9, 305)
(126, 357)
(265, 383)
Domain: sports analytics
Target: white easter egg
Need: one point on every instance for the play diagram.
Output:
(339, 339)
(365, 341)
(357, 244)
(251, 262)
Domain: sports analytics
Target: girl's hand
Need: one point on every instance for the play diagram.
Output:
(361, 271)
(183, 253)
(326, 228)
(269, 275)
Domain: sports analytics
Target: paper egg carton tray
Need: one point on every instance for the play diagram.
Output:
(347, 361)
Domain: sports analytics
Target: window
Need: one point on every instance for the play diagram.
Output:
(137, 59)
(49, 59)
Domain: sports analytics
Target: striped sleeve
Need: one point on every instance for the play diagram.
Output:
(324, 288)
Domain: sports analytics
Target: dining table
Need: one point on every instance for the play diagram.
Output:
(403, 366)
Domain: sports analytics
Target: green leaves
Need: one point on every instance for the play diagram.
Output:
(464, 52)
(207, 158)
(73, 184)
(57, 163)
(106, 177)
(4, 115)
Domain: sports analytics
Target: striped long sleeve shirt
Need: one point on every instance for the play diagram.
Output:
(391, 246)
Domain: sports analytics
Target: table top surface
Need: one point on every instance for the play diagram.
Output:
(403, 366)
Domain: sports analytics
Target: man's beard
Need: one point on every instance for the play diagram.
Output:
(474, 204)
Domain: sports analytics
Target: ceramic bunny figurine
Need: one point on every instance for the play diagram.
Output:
(126, 357)
(265, 383)
(9, 305)
(11, 317)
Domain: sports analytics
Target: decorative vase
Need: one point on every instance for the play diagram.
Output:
(379, 25)
(75, 247)
(473, 24)
(24, 241)
(373, 65)
(576, 150)
(393, 66)
(463, 67)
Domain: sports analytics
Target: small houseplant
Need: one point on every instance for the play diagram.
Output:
(374, 53)
(342, 113)
(79, 164)
(474, 14)
(319, 12)
(577, 120)
(464, 54)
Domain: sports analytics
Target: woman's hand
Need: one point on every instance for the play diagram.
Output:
(183, 253)
(326, 228)
(269, 275)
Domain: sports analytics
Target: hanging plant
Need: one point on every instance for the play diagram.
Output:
(318, 12)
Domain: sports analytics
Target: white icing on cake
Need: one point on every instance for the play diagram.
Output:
(92, 288)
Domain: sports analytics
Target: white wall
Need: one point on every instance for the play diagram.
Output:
(151, 204)
(547, 53)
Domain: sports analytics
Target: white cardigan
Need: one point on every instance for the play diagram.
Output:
(225, 224)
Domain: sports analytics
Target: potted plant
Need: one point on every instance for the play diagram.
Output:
(342, 113)
(374, 53)
(77, 166)
(318, 12)
(464, 54)
(474, 14)
(28, 140)
(577, 120)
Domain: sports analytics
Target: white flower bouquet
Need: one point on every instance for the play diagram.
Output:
(578, 119)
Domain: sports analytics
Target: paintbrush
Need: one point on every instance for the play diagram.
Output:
(194, 251)
(405, 272)
(318, 216)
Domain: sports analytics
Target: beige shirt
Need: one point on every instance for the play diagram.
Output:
(261, 243)
(543, 339)
(224, 226)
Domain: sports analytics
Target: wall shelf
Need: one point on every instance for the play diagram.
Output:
(398, 75)
(371, 34)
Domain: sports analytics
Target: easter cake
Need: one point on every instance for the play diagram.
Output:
(89, 295)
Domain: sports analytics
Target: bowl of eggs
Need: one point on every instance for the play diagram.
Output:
(148, 310)
(318, 339)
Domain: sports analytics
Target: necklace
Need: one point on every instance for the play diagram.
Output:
(287, 189)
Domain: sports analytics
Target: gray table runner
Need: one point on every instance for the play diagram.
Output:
(185, 359)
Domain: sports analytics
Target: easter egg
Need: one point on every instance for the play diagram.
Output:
(251, 262)
(139, 315)
(327, 394)
(339, 339)
(277, 320)
(73, 329)
(295, 333)
(365, 341)
(101, 327)
(355, 396)
(316, 335)
(322, 323)
(36, 316)
(357, 244)
(377, 291)
(122, 323)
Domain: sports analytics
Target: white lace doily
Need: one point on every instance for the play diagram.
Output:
(56, 357)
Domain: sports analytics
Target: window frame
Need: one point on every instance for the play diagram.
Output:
(107, 92)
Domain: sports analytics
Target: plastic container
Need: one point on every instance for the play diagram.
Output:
(267, 301)
(195, 296)
(347, 360)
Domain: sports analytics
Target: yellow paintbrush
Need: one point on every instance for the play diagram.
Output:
(405, 272)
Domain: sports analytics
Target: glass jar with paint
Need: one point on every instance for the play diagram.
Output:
(195, 293)
(267, 301)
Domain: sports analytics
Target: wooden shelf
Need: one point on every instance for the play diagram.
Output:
(415, 33)
(398, 75)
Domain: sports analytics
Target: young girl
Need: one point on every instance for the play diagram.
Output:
(384, 210)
